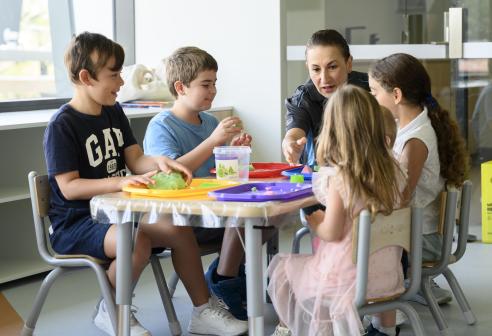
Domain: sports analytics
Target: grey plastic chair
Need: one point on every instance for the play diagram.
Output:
(464, 222)
(433, 269)
(40, 198)
(402, 228)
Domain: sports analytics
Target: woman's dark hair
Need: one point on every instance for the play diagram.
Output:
(405, 72)
(329, 37)
(79, 55)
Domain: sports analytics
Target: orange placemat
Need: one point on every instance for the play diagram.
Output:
(197, 190)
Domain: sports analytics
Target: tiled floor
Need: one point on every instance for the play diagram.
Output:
(69, 306)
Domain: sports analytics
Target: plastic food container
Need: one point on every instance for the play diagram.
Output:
(232, 162)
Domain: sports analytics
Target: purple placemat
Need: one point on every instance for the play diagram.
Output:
(263, 191)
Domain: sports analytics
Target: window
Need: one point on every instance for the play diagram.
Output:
(26, 65)
(33, 38)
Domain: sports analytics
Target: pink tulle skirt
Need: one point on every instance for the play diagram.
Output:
(313, 294)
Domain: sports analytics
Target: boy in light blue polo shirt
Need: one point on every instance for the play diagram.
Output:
(188, 134)
(167, 133)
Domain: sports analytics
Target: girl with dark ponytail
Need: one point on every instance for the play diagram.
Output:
(428, 141)
(405, 73)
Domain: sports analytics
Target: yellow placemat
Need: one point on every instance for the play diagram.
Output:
(197, 190)
(10, 322)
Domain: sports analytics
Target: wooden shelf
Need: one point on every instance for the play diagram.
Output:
(18, 268)
(11, 194)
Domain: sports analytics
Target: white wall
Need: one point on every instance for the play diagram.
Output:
(100, 21)
(244, 37)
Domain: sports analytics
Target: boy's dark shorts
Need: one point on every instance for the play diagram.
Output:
(85, 236)
(209, 236)
(313, 208)
(82, 237)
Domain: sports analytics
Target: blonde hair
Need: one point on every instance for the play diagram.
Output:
(390, 128)
(352, 139)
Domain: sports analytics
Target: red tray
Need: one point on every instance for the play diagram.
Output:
(267, 169)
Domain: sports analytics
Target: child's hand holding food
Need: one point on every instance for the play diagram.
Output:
(244, 139)
(226, 130)
(168, 165)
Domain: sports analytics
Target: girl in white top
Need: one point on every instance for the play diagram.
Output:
(428, 142)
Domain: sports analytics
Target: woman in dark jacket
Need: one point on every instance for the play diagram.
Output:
(329, 64)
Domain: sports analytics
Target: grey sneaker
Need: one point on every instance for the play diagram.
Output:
(442, 295)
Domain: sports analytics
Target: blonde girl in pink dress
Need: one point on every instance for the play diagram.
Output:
(313, 294)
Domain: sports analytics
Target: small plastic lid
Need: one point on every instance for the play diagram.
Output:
(232, 149)
(297, 178)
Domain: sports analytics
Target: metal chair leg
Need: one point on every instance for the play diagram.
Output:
(413, 317)
(43, 291)
(434, 307)
(107, 294)
(173, 283)
(460, 296)
(174, 325)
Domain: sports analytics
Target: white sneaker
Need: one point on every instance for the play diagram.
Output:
(103, 322)
(401, 317)
(216, 320)
(281, 331)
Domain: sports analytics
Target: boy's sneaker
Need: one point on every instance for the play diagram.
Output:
(371, 331)
(281, 331)
(230, 291)
(103, 322)
(216, 320)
